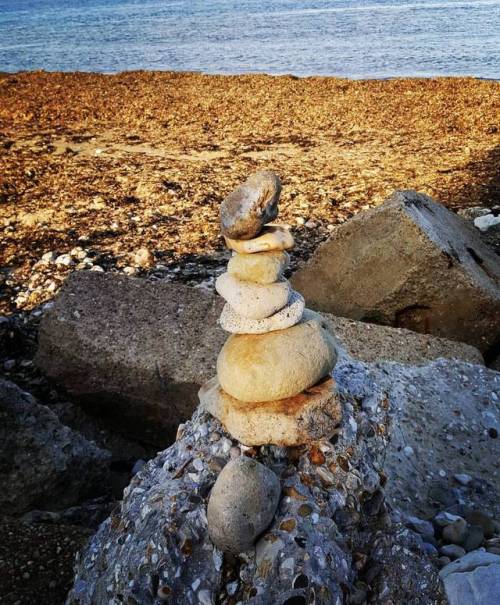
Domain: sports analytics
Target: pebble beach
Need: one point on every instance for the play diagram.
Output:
(126, 172)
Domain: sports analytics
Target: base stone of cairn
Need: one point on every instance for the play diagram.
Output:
(308, 416)
(273, 383)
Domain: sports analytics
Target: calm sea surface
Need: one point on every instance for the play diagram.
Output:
(356, 38)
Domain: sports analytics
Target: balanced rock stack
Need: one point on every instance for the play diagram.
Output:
(273, 383)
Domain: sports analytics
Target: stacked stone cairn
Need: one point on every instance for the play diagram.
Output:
(273, 374)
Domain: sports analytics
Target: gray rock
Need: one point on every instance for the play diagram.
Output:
(484, 520)
(430, 549)
(157, 541)
(437, 411)
(491, 235)
(443, 561)
(462, 478)
(132, 351)
(442, 519)
(474, 537)
(44, 463)
(415, 260)
(474, 579)
(250, 206)
(453, 551)
(454, 533)
(242, 504)
(478, 587)
(422, 527)
(488, 222)
(371, 342)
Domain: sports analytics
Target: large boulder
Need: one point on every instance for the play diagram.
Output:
(409, 263)
(43, 464)
(330, 538)
(137, 352)
(133, 351)
(473, 579)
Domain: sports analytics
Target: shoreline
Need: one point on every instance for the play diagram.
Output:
(350, 78)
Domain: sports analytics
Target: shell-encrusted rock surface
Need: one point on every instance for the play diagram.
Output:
(330, 531)
(264, 367)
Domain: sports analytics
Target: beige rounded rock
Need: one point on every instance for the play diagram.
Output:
(263, 367)
(248, 299)
(287, 317)
(272, 237)
(262, 268)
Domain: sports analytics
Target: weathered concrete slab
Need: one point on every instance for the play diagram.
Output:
(131, 350)
(137, 352)
(409, 263)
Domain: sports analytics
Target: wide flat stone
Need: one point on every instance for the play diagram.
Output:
(307, 417)
(272, 237)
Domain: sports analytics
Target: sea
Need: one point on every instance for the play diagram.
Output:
(348, 38)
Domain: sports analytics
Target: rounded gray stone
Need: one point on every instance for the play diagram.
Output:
(242, 504)
(454, 533)
(250, 206)
(474, 537)
(453, 551)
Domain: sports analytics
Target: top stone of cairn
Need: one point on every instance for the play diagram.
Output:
(250, 206)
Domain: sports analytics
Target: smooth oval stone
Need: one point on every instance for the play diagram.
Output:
(272, 237)
(455, 532)
(276, 365)
(263, 268)
(242, 504)
(248, 299)
(250, 206)
(287, 317)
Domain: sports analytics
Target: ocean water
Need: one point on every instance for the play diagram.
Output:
(352, 38)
